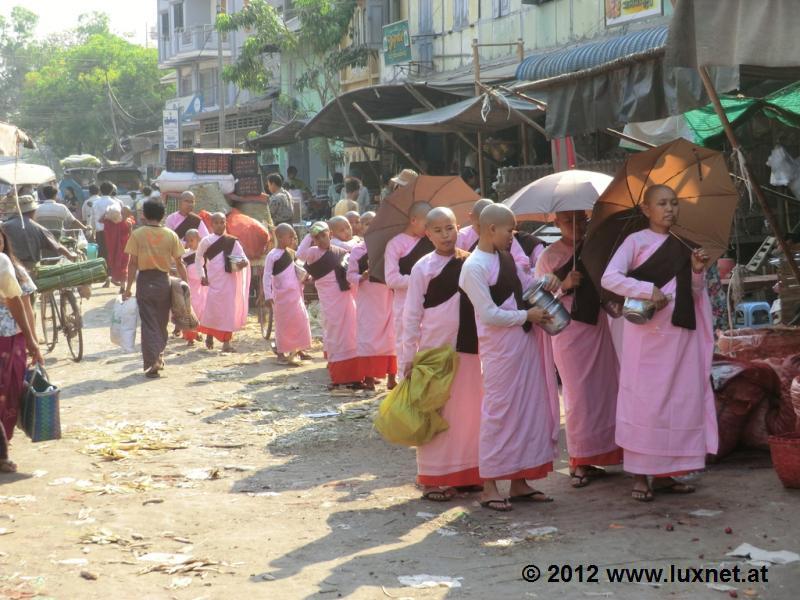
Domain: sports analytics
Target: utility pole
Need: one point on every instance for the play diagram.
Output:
(113, 116)
(221, 83)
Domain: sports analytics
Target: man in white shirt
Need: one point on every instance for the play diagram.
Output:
(54, 216)
(99, 208)
(86, 209)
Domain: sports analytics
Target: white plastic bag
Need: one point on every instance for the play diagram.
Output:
(124, 321)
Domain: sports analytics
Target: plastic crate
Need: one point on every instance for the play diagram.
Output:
(249, 186)
(245, 165)
(207, 163)
(180, 161)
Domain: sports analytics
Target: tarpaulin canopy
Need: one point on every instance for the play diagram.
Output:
(607, 83)
(734, 32)
(10, 137)
(25, 174)
(378, 101)
(485, 113)
(285, 135)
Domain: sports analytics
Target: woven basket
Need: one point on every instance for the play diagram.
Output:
(785, 450)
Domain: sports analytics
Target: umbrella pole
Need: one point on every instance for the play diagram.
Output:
(765, 208)
(388, 138)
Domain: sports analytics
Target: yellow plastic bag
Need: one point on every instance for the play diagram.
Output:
(409, 415)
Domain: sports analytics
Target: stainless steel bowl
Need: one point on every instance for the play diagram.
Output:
(638, 311)
(539, 297)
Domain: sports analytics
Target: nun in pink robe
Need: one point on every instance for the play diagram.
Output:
(292, 329)
(225, 310)
(587, 362)
(451, 458)
(520, 418)
(468, 241)
(338, 317)
(666, 419)
(174, 220)
(398, 247)
(197, 290)
(375, 339)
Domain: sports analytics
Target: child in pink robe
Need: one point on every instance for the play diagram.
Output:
(342, 233)
(401, 253)
(375, 340)
(224, 269)
(468, 237)
(283, 289)
(198, 291)
(520, 418)
(666, 419)
(437, 313)
(324, 264)
(585, 357)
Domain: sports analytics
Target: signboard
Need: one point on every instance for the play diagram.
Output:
(396, 43)
(171, 129)
(624, 11)
(190, 106)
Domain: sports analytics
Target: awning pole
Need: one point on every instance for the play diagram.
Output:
(626, 137)
(388, 138)
(523, 138)
(519, 114)
(765, 208)
(476, 67)
(358, 141)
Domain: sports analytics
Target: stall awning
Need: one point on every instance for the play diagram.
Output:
(378, 101)
(606, 84)
(591, 54)
(285, 135)
(468, 115)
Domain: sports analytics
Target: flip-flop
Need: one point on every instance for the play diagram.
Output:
(444, 495)
(579, 481)
(676, 487)
(642, 495)
(532, 497)
(498, 505)
(593, 471)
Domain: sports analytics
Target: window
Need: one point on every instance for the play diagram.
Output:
(164, 18)
(359, 27)
(208, 87)
(177, 15)
(501, 8)
(185, 84)
(460, 14)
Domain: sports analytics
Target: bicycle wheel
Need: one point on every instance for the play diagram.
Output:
(48, 315)
(264, 317)
(72, 324)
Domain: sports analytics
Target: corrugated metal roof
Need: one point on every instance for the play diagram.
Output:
(590, 54)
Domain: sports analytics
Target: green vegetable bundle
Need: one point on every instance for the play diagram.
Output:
(70, 274)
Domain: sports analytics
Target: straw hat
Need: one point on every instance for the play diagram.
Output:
(26, 204)
(405, 177)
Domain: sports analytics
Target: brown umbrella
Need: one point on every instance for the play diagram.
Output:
(392, 217)
(706, 193)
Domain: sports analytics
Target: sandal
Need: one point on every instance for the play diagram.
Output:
(534, 496)
(579, 481)
(440, 495)
(8, 466)
(498, 505)
(642, 495)
(676, 487)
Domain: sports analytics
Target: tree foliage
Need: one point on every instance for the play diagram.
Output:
(18, 54)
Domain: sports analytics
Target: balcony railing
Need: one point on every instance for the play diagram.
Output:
(190, 41)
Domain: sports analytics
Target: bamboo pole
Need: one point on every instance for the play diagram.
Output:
(519, 114)
(476, 67)
(388, 138)
(765, 208)
(358, 140)
(626, 137)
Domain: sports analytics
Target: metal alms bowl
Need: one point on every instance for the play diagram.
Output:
(538, 297)
(638, 311)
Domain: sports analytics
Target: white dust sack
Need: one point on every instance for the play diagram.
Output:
(430, 581)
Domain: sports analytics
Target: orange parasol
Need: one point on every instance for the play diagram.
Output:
(706, 193)
(392, 217)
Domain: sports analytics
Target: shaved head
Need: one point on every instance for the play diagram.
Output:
(657, 190)
(187, 195)
(191, 234)
(339, 221)
(440, 213)
(496, 214)
(284, 229)
(352, 214)
(217, 216)
(480, 205)
(419, 209)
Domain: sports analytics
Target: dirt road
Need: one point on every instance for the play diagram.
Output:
(231, 477)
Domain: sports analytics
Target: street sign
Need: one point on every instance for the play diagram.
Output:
(171, 128)
(624, 11)
(396, 43)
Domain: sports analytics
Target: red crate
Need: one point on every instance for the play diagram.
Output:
(245, 165)
(249, 186)
(180, 161)
(207, 163)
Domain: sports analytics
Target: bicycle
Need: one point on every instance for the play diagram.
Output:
(257, 300)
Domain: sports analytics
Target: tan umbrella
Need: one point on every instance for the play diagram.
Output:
(392, 216)
(706, 193)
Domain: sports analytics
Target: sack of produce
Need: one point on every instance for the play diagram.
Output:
(124, 321)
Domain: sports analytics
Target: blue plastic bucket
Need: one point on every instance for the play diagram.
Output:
(91, 251)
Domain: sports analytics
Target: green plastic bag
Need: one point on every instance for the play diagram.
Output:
(410, 413)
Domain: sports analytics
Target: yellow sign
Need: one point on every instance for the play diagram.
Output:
(624, 11)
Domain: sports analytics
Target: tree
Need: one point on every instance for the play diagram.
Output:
(17, 53)
(317, 47)
(67, 102)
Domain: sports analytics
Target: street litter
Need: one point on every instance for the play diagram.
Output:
(165, 558)
(104, 537)
(430, 581)
(88, 575)
(180, 582)
(761, 557)
(39, 473)
(541, 532)
(446, 532)
(17, 499)
(118, 441)
(181, 564)
(703, 512)
(81, 562)
(4, 531)
(223, 374)
(321, 415)
(504, 542)
(202, 474)
(426, 515)
(62, 481)
(720, 587)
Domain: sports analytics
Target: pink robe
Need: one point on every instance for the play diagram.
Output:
(174, 220)
(451, 458)
(375, 339)
(198, 292)
(397, 248)
(666, 419)
(587, 363)
(338, 320)
(292, 329)
(467, 237)
(348, 245)
(225, 311)
(520, 419)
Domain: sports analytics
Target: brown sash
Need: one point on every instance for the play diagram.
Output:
(672, 259)
(475, 245)
(586, 305)
(192, 221)
(423, 246)
(283, 263)
(189, 259)
(223, 244)
(441, 288)
(363, 265)
(527, 242)
(508, 283)
(330, 261)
